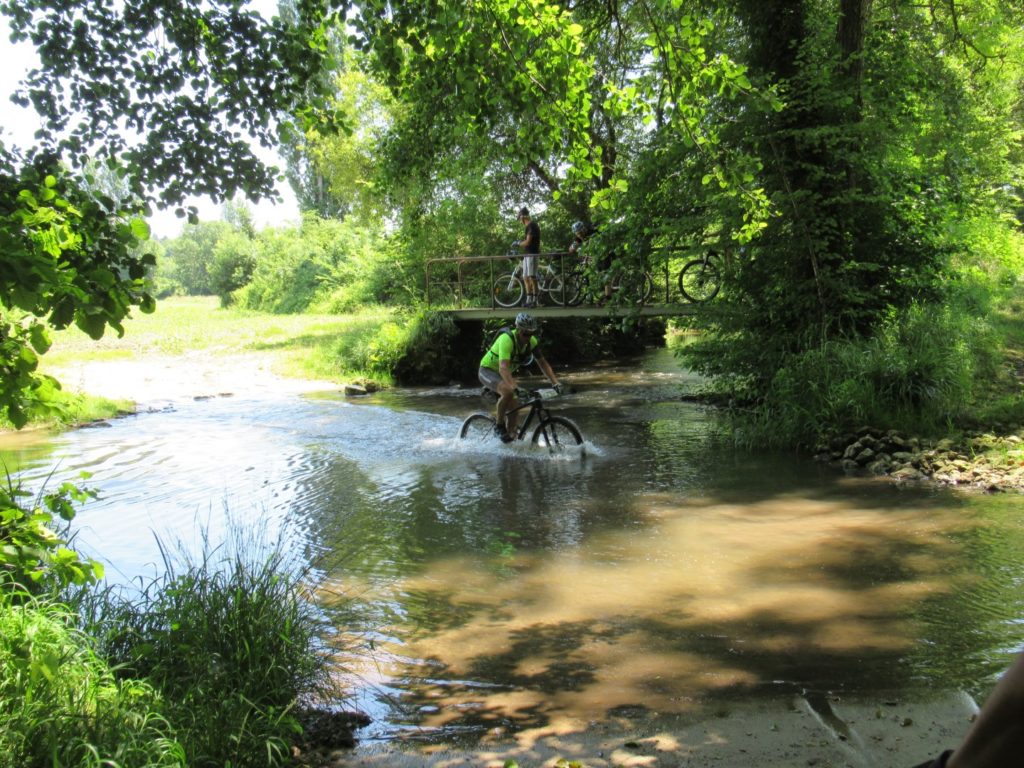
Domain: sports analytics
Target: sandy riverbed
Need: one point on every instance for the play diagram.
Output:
(153, 380)
(782, 734)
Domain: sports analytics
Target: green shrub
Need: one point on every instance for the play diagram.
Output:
(330, 266)
(60, 704)
(920, 372)
(232, 641)
(34, 556)
(385, 345)
(232, 265)
(428, 353)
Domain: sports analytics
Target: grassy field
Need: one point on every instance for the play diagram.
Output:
(197, 323)
(300, 345)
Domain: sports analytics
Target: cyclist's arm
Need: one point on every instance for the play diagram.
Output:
(545, 367)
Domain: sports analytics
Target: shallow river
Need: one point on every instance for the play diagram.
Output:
(664, 572)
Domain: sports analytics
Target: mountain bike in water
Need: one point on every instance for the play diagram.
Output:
(700, 279)
(555, 433)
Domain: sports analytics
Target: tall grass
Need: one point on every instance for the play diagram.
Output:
(922, 372)
(231, 640)
(62, 705)
(206, 664)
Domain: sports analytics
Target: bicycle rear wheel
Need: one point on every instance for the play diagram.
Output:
(507, 291)
(636, 287)
(558, 435)
(576, 288)
(561, 298)
(699, 281)
(478, 428)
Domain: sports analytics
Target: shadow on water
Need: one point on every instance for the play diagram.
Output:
(490, 587)
(686, 604)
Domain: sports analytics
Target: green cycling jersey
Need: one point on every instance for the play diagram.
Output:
(505, 348)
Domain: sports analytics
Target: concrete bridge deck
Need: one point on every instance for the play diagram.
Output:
(543, 313)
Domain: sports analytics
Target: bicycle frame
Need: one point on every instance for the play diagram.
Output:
(536, 409)
(549, 280)
(535, 404)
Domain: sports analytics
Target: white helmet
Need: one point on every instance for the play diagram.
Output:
(526, 322)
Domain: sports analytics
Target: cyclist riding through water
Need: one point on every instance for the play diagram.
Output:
(512, 349)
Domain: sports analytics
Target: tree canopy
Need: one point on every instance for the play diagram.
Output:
(167, 95)
(853, 160)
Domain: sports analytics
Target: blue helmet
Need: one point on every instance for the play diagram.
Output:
(579, 228)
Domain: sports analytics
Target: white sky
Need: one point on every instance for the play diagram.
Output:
(18, 125)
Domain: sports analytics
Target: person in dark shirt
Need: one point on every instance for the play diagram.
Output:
(531, 247)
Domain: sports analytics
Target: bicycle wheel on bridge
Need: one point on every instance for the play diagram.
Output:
(577, 288)
(636, 287)
(507, 291)
(478, 428)
(569, 297)
(699, 280)
(558, 434)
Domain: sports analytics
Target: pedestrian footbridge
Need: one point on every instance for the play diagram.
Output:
(468, 288)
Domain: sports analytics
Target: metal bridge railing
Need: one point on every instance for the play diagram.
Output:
(467, 281)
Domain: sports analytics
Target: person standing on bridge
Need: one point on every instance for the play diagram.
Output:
(531, 247)
(580, 233)
(513, 348)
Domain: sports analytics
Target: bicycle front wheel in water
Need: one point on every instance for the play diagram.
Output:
(507, 291)
(699, 281)
(478, 428)
(558, 435)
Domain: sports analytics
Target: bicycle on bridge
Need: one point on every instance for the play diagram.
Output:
(509, 290)
(681, 275)
(569, 287)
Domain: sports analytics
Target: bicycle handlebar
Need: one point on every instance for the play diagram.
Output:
(522, 393)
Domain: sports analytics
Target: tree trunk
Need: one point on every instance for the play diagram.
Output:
(853, 18)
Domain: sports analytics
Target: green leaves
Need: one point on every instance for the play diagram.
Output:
(190, 81)
(68, 258)
(33, 555)
(485, 71)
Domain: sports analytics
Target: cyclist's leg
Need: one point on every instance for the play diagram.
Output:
(604, 266)
(507, 406)
(530, 278)
(506, 398)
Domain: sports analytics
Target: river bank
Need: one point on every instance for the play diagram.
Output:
(980, 461)
(154, 380)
